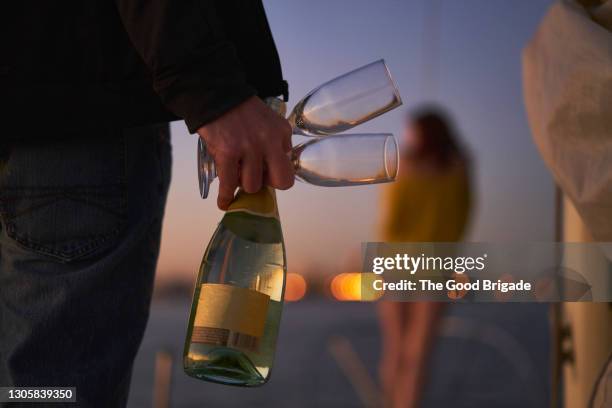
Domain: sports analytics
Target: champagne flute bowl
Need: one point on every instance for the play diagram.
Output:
(346, 101)
(347, 160)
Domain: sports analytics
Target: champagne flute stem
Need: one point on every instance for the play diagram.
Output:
(300, 132)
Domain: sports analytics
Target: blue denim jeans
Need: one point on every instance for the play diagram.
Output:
(81, 224)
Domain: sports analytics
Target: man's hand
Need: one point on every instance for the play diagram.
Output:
(249, 145)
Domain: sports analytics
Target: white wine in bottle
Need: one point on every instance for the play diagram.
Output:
(238, 297)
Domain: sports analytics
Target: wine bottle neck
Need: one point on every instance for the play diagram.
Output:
(263, 203)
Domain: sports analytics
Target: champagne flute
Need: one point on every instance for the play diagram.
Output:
(340, 160)
(346, 101)
(347, 160)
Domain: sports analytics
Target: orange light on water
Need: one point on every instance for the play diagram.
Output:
(295, 287)
(347, 287)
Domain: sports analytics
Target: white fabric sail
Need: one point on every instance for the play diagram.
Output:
(567, 85)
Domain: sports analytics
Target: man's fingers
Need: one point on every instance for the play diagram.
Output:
(287, 145)
(227, 170)
(251, 173)
(280, 173)
(249, 142)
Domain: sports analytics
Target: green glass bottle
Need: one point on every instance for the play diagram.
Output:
(238, 298)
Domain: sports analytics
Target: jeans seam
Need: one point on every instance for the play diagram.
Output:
(62, 255)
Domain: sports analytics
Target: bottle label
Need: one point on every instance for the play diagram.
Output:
(262, 203)
(230, 316)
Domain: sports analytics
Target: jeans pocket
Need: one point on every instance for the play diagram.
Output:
(65, 199)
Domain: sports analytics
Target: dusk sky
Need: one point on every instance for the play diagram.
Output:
(478, 80)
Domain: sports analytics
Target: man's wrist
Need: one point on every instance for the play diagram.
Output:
(217, 107)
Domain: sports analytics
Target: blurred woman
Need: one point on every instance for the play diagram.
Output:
(430, 201)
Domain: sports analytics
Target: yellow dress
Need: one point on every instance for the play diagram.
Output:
(427, 207)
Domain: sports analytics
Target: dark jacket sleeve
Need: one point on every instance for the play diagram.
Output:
(246, 26)
(195, 68)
